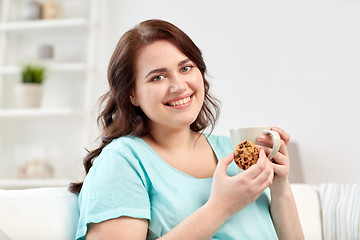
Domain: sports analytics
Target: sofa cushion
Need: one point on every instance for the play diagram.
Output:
(43, 213)
(52, 213)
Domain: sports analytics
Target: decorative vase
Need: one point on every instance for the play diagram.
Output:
(28, 95)
(46, 52)
(32, 11)
(49, 10)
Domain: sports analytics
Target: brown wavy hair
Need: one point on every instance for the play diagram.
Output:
(119, 117)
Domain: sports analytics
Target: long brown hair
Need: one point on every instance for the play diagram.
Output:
(119, 117)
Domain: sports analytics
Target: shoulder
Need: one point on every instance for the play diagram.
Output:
(118, 160)
(125, 145)
(125, 148)
(219, 140)
(127, 141)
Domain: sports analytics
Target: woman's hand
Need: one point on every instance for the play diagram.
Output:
(281, 162)
(231, 194)
(282, 207)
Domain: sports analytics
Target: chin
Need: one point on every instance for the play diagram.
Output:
(188, 122)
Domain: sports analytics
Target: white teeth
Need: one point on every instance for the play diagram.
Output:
(180, 102)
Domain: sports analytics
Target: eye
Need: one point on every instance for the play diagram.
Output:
(186, 68)
(157, 78)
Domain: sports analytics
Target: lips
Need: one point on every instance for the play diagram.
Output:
(179, 101)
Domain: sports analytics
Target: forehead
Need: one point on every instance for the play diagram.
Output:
(158, 54)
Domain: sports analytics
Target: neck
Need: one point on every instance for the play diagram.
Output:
(173, 139)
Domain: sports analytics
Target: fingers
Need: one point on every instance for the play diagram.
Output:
(252, 172)
(277, 168)
(262, 172)
(257, 171)
(283, 135)
(264, 179)
(280, 170)
(266, 139)
(223, 164)
(283, 148)
(281, 157)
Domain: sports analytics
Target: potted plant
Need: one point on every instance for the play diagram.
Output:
(29, 91)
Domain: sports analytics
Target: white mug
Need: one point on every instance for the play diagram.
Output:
(252, 133)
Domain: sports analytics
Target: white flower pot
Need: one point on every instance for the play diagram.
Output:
(28, 95)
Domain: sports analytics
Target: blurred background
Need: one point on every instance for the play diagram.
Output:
(292, 64)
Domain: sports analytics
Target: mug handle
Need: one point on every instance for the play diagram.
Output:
(276, 142)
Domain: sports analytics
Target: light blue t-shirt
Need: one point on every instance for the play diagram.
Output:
(129, 178)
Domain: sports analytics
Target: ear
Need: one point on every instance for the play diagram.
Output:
(133, 99)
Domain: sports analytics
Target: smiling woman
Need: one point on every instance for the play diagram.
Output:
(156, 174)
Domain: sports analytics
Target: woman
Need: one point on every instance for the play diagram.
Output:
(156, 175)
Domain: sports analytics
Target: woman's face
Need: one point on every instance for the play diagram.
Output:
(169, 88)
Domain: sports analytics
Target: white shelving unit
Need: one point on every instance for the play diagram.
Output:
(58, 131)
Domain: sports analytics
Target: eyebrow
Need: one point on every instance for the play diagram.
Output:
(183, 62)
(160, 70)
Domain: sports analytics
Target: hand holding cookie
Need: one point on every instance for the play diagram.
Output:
(238, 191)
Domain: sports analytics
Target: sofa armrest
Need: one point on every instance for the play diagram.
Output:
(308, 205)
(42, 213)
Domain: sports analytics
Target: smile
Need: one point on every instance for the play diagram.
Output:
(179, 102)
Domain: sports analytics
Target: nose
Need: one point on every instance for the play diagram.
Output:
(177, 84)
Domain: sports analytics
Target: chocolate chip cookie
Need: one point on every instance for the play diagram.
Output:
(246, 154)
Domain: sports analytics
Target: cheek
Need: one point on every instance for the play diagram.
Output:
(148, 96)
(202, 86)
(199, 86)
(199, 81)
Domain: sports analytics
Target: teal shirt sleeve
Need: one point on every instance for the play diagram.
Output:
(115, 186)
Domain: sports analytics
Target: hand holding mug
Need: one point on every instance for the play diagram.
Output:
(281, 163)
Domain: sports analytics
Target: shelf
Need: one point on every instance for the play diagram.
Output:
(67, 104)
(58, 67)
(43, 24)
(18, 113)
(9, 183)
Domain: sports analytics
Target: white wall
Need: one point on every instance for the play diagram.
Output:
(293, 64)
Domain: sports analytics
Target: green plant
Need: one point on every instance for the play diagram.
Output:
(33, 73)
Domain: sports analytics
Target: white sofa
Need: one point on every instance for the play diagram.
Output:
(52, 213)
